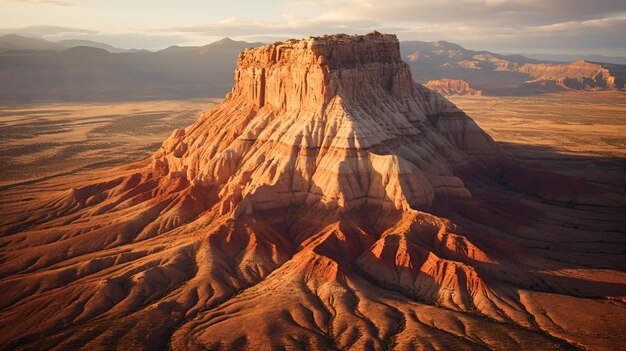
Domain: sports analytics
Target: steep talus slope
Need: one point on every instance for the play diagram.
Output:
(327, 203)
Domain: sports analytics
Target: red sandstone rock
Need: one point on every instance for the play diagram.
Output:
(336, 120)
(293, 216)
(447, 86)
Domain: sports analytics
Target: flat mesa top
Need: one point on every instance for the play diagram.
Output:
(342, 38)
(335, 51)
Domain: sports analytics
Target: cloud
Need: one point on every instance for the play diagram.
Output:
(505, 25)
(605, 34)
(46, 2)
(287, 28)
(510, 25)
(514, 13)
(42, 31)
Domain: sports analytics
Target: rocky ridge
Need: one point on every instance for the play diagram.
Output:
(447, 86)
(327, 120)
(495, 74)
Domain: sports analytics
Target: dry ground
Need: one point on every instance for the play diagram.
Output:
(580, 123)
(46, 140)
(580, 134)
(138, 272)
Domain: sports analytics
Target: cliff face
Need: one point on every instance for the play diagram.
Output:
(336, 120)
(578, 75)
(447, 86)
(307, 73)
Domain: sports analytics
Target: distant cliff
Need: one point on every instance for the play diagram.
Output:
(495, 74)
(447, 86)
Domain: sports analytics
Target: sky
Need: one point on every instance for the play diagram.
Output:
(505, 26)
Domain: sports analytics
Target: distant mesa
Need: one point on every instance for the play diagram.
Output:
(448, 87)
(495, 74)
(578, 75)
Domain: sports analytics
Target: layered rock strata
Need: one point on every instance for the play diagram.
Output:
(335, 120)
(447, 86)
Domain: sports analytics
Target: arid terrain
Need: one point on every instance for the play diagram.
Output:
(579, 134)
(328, 202)
(45, 140)
(577, 123)
(42, 140)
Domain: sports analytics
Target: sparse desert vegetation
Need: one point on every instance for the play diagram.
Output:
(577, 123)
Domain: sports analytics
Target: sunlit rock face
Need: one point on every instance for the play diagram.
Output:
(336, 120)
(447, 87)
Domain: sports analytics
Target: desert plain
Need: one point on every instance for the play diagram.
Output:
(583, 131)
(578, 134)
(46, 140)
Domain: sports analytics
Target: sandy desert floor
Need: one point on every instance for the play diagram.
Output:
(581, 123)
(47, 140)
(555, 262)
(577, 134)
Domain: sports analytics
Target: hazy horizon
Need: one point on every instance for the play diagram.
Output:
(512, 26)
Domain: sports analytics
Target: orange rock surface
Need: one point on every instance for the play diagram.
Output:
(447, 86)
(328, 203)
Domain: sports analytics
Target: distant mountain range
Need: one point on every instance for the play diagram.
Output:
(14, 42)
(36, 70)
(495, 74)
(568, 58)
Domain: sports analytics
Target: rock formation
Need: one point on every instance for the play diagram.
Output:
(330, 121)
(495, 74)
(303, 212)
(447, 86)
(578, 75)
